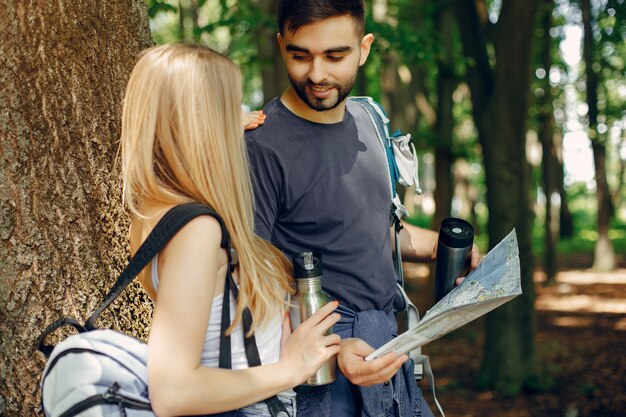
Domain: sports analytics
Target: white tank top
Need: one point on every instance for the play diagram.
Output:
(267, 337)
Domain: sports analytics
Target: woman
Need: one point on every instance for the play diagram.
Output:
(182, 142)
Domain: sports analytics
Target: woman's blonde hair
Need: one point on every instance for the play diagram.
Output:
(182, 141)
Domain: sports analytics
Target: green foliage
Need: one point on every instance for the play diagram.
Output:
(228, 26)
(158, 6)
(408, 28)
(583, 209)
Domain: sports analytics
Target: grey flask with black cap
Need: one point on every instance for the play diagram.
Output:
(454, 250)
(307, 270)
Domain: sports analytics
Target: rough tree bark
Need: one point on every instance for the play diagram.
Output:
(63, 232)
(500, 97)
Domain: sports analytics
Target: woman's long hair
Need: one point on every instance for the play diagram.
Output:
(182, 141)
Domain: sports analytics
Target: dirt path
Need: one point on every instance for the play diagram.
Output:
(581, 341)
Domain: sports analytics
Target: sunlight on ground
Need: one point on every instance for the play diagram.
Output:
(584, 277)
(563, 297)
(570, 321)
(581, 303)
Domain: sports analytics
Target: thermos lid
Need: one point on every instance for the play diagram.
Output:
(456, 233)
(307, 264)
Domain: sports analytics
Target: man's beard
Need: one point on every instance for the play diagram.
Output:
(322, 104)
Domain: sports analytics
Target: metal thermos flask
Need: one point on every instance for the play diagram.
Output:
(307, 270)
(454, 250)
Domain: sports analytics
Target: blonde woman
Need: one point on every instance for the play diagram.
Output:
(182, 142)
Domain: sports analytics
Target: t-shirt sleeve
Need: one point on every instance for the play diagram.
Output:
(267, 182)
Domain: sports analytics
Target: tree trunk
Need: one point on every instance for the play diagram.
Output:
(446, 83)
(550, 163)
(195, 24)
(500, 105)
(604, 259)
(274, 79)
(566, 220)
(182, 12)
(63, 232)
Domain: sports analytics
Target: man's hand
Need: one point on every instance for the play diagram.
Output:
(352, 364)
(475, 259)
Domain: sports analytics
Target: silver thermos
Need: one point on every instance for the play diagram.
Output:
(307, 270)
(454, 250)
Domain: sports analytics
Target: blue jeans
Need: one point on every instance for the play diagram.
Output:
(401, 397)
(261, 409)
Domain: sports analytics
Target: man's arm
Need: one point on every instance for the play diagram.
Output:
(420, 245)
(417, 244)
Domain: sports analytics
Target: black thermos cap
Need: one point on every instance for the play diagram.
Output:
(456, 233)
(299, 270)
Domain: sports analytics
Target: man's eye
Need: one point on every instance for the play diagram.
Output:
(298, 57)
(335, 58)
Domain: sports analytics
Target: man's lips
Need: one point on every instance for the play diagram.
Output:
(320, 92)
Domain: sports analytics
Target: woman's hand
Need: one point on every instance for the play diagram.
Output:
(252, 120)
(305, 350)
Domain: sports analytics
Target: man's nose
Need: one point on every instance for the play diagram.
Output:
(317, 72)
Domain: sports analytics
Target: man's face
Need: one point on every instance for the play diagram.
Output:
(322, 60)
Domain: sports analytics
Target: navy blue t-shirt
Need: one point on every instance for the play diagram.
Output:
(324, 187)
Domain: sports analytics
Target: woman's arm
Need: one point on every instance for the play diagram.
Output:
(191, 273)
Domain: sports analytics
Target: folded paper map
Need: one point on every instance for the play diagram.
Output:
(495, 281)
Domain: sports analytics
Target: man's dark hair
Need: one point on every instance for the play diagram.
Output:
(296, 13)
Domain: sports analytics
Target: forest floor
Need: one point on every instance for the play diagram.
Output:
(581, 344)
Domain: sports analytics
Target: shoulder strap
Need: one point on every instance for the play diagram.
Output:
(381, 122)
(275, 406)
(174, 220)
(401, 302)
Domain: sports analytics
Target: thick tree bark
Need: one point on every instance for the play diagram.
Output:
(63, 232)
(500, 104)
(604, 259)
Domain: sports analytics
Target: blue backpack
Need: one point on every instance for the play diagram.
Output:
(379, 118)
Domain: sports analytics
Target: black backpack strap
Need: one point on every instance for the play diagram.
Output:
(174, 220)
(225, 359)
(276, 406)
(63, 321)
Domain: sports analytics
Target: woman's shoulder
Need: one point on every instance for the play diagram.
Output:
(203, 230)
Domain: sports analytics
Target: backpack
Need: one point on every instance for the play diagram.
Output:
(402, 165)
(402, 168)
(102, 372)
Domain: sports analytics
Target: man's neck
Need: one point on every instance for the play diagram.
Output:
(295, 104)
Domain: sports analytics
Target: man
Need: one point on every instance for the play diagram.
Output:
(320, 183)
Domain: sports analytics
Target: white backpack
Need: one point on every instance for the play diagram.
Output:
(102, 373)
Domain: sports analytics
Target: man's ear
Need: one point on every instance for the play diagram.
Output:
(366, 45)
(280, 40)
